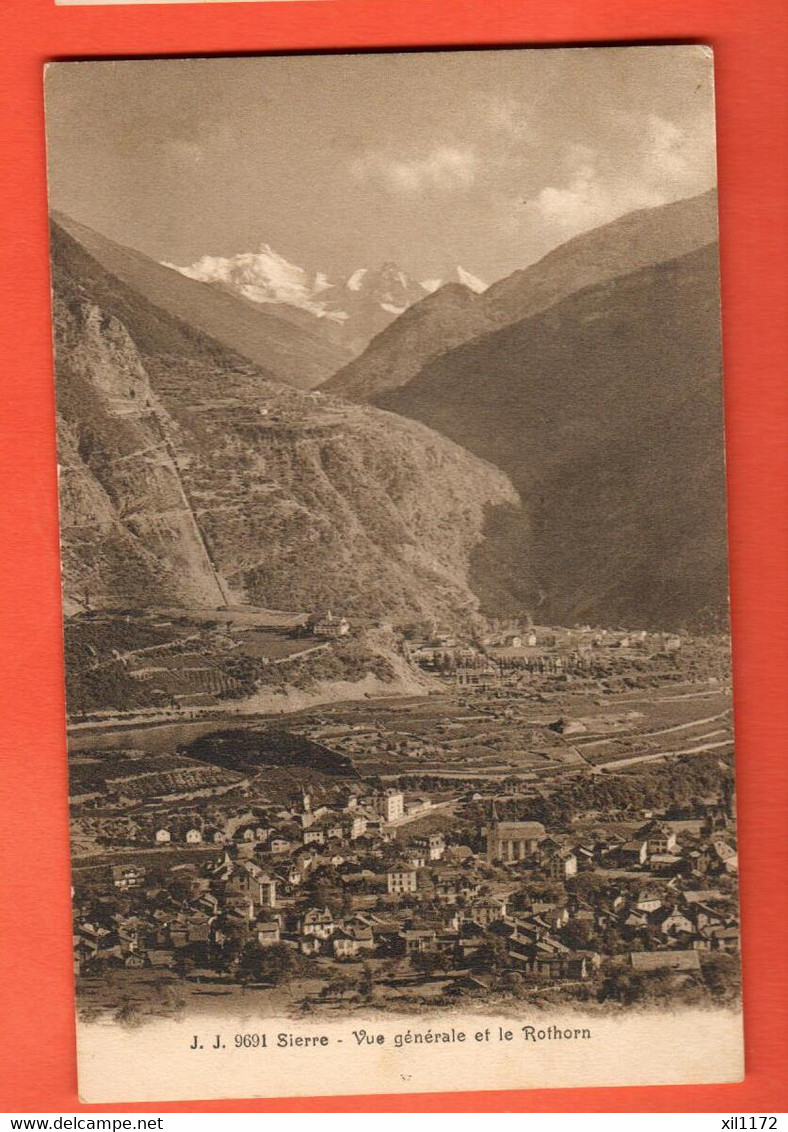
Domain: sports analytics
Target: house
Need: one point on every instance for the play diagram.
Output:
(560, 864)
(633, 852)
(488, 911)
(417, 806)
(389, 805)
(250, 881)
(419, 940)
(310, 944)
(318, 923)
(354, 826)
(344, 945)
(724, 857)
(293, 875)
(648, 901)
(128, 876)
(130, 933)
(666, 864)
(717, 820)
(161, 957)
(660, 838)
(432, 846)
(556, 915)
(239, 904)
(636, 922)
(198, 927)
(705, 916)
(346, 799)
(252, 833)
(330, 626)
(702, 895)
(163, 837)
(585, 857)
(698, 860)
(350, 940)
(267, 932)
(193, 836)
(542, 959)
(582, 964)
(401, 880)
(725, 939)
(672, 922)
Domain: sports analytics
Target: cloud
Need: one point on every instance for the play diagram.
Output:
(588, 200)
(184, 152)
(508, 116)
(664, 162)
(444, 169)
(672, 157)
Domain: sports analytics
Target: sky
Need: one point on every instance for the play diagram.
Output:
(487, 159)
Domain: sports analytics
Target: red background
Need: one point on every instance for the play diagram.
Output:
(36, 992)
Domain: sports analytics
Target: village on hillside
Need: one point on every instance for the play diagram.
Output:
(551, 821)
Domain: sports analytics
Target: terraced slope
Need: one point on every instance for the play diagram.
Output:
(189, 478)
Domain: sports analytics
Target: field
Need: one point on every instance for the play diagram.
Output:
(492, 738)
(124, 664)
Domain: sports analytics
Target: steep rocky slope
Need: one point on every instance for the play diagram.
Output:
(450, 316)
(605, 411)
(190, 478)
(297, 351)
(456, 315)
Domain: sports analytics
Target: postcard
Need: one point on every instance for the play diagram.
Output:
(392, 508)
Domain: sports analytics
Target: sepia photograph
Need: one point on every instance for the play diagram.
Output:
(394, 571)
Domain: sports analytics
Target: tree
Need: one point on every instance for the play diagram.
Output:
(722, 976)
(426, 962)
(492, 956)
(269, 964)
(512, 981)
(338, 985)
(366, 984)
(128, 1012)
(576, 934)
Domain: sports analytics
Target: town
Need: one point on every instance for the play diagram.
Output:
(553, 822)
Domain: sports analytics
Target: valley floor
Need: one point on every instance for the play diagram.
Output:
(338, 856)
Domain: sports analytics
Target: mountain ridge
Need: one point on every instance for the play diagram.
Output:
(589, 406)
(634, 240)
(295, 354)
(190, 478)
(356, 307)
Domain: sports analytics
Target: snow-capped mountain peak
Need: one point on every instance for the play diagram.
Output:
(471, 281)
(264, 276)
(355, 282)
(455, 275)
(359, 307)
